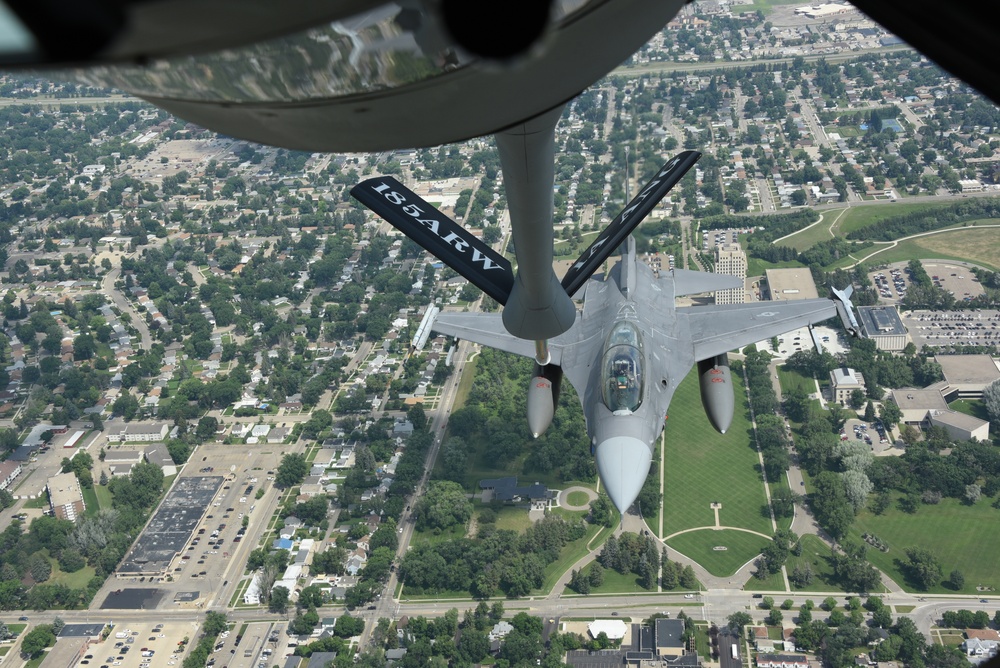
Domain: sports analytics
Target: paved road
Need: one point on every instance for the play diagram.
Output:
(125, 306)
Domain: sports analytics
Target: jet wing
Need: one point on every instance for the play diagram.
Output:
(719, 329)
(487, 329)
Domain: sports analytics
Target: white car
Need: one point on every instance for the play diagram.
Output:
(688, 595)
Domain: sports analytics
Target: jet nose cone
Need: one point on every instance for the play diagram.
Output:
(623, 463)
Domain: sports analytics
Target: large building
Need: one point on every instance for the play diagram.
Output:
(732, 261)
(790, 284)
(927, 408)
(139, 433)
(9, 470)
(66, 497)
(967, 375)
(844, 381)
(883, 326)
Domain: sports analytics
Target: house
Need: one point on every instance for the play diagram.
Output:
(278, 435)
(977, 647)
(158, 454)
(393, 655)
(500, 630)
(260, 430)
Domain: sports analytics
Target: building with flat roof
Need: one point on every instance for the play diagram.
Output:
(968, 375)
(66, 497)
(614, 628)
(844, 381)
(121, 460)
(960, 427)
(790, 284)
(668, 635)
(883, 325)
(732, 261)
(915, 404)
(139, 433)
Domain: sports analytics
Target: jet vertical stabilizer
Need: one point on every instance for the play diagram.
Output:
(608, 241)
(842, 300)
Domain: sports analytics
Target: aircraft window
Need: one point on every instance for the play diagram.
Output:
(622, 369)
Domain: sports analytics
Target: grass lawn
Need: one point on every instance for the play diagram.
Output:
(740, 546)
(809, 237)
(572, 553)
(703, 466)
(41, 502)
(790, 380)
(772, 583)
(90, 500)
(77, 580)
(37, 661)
(904, 609)
(513, 517)
(951, 638)
(577, 498)
(950, 530)
(960, 243)
(863, 216)
(765, 5)
(616, 583)
(702, 642)
(16, 628)
(430, 538)
(465, 385)
(973, 407)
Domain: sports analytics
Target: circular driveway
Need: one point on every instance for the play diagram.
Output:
(564, 495)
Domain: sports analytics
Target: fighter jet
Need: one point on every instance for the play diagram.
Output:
(628, 347)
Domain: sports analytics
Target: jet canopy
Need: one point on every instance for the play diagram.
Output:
(621, 369)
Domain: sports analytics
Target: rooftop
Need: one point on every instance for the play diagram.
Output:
(968, 369)
(791, 284)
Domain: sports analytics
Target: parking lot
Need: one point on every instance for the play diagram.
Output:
(957, 279)
(210, 552)
(947, 328)
(141, 645)
(872, 434)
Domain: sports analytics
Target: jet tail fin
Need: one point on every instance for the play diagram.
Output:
(628, 219)
(845, 309)
(439, 235)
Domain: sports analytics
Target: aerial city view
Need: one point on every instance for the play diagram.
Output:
(286, 404)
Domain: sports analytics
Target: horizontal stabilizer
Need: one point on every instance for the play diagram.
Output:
(687, 282)
(616, 232)
(441, 236)
(487, 329)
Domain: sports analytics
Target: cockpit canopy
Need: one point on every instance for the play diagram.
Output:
(621, 368)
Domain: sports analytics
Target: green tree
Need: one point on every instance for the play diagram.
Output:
(291, 471)
(37, 640)
(278, 602)
(923, 567)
